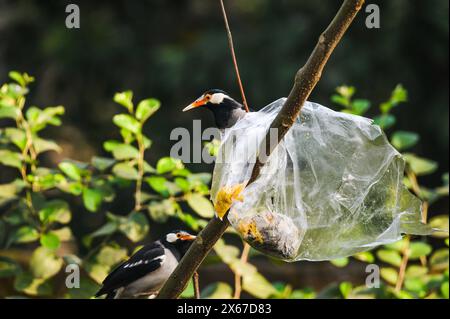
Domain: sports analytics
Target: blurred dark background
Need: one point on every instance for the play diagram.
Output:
(174, 50)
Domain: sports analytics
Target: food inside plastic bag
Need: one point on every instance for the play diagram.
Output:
(332, 188)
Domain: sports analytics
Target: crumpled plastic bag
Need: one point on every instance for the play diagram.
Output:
(332, 188)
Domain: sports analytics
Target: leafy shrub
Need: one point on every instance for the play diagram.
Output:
(38, 238)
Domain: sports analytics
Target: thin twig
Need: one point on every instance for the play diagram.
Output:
(305, 81)
(246, 248)
(195, 279)
(233, 55)
(138, 192)
(402, 270)
(237, 275)
(425, 205)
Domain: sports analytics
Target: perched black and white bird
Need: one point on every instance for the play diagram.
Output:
(144, 273)
(226, 110)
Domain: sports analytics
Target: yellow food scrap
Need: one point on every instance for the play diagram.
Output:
(225, 198)
(250, 231)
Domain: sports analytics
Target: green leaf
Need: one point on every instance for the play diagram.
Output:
(199, 178)
(103, 262)
(201, 205)
(444, 289)
(346, 91)
(419, 249)
(168, 164)
(439, 259)
(125, 171)
(414, 271)
(87, 289)
(147, 108)
(128, 136)
(403, 140)
(92, 199)
(38, 119)
(11, 159)
(25, 234)
(23, 79)
(11, 191)
(257, 285)
(340, 100)
(13, 91)
(360, 106)
(420, 166)
(340, 262)
(42, 146)
(160, 211)
(127, 122)
(125, 99)
(188, 292)
(135, 227)
(389, 274)
(399, 95)
(125, 151)
(11, 112)
(107, 229)
(64, 233)
(213, 147)
(111, 255)
(183, 184)
(158, 184)
(365, 256)
(218, 290)
(8, 267)
(17, 136)
(44, 263)
(189, 220)
(16, 76)
(50, 241)
(71, 170)
(385, 121)
(391, 257)
(102, 163)
(146, 142)
(110, 145)
(439, 222)
(26, 283)
(399, 246)
(415, 285)
(228, 253)
(345, 288)
(55, 211)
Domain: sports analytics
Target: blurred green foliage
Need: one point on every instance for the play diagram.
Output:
(37, 208)
(36, 214)
(413, 269)
(86, 209)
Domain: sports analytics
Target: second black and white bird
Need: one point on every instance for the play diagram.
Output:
(144, 273)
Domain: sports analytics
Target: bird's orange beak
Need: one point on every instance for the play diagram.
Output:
(197, 103)
(188, 237)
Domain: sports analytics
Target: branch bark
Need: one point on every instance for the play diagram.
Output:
(305, 81)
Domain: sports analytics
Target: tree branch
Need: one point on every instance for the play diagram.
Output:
(305, 81)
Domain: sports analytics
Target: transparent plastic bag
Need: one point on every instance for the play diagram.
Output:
(332, 188)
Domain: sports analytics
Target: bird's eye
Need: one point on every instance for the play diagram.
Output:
(208, 97)
(178, 235)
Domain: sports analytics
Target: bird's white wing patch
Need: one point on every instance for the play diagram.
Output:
(144, 261)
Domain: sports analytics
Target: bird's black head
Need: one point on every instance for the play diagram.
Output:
(225, 109)
(178, 239)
